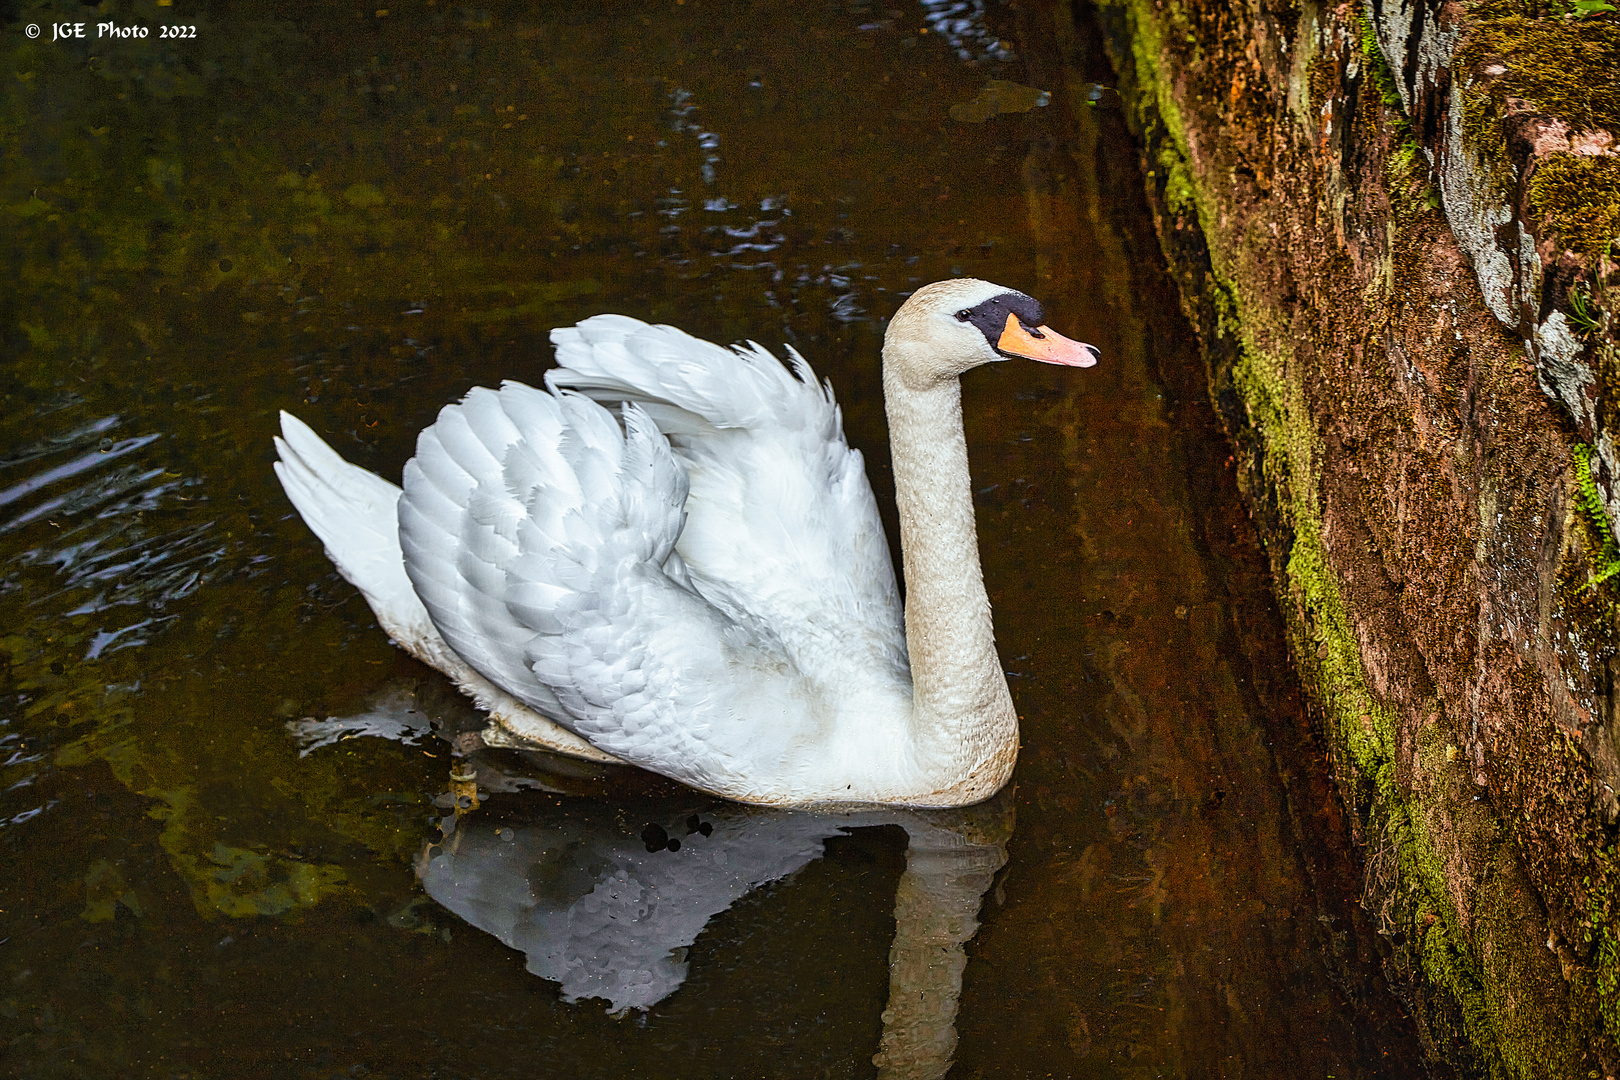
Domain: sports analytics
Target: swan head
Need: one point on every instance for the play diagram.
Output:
(951, 327)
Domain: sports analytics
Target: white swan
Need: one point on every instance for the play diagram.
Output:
(697, 582)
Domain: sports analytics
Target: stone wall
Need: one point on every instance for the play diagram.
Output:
(1392, 229)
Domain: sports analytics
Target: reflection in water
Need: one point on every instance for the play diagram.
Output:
(605, 900)
(1097, 95)
(81, 498)
(393, 716)
(961, 22)
(680, 111)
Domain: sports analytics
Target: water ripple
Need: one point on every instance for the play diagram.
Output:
(82, 463)
(961, 22)
(104, 553)
(53, 443)
(27, 815)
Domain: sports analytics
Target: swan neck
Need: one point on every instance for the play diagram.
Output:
(962, 709)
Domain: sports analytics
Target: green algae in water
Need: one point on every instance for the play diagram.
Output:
(997, 98)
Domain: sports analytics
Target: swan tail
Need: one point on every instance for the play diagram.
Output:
(354, 513)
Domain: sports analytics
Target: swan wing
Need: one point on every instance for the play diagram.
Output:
(782, 532)
(541, 538)
(354, 513)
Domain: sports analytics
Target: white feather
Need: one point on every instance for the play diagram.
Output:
(353, 512)
(675, 556)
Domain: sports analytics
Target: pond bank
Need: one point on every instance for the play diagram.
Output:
(1404, 339)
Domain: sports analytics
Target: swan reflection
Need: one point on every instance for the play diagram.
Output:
(606, 898)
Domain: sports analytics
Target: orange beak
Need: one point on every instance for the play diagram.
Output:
(1047, 346)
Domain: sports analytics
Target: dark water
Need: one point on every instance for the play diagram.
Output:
(218, 779)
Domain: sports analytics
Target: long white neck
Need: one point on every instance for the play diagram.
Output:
(963, 720)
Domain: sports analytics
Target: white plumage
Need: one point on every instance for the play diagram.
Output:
(674, 555)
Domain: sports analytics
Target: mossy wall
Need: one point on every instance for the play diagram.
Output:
(1398, 267)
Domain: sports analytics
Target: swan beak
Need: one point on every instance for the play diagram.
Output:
(1046, 345)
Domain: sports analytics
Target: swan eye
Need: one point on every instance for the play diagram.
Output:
(964, 315)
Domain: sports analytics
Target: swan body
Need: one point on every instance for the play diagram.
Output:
(670, 557)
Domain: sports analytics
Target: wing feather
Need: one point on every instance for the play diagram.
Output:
(590, 620)
(783, 533)
(673, 552)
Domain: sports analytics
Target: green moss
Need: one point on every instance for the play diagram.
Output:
(1608, 955)
(1360, 724)
(1405, 159)
(1179, 193)
(1406, 168)
(1578, 196)
(1561, 67)
(1409, 181)
(1563, 779)
(1601, 906)
(1383, 79)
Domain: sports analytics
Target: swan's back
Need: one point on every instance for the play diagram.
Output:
(782, 530)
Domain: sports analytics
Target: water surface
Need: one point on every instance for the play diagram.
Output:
(219, 779)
